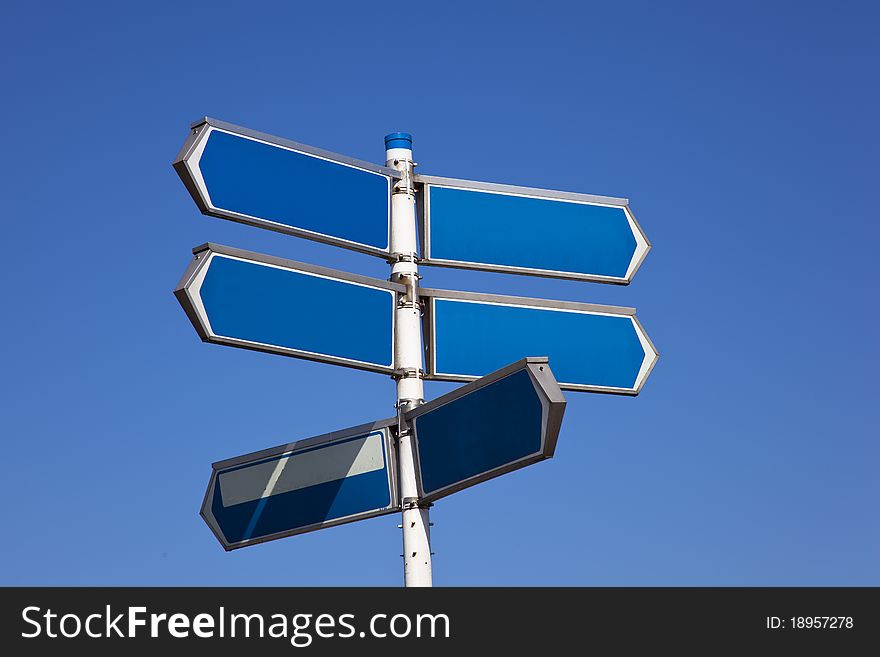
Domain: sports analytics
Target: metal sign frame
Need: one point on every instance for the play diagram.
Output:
(186, 165)
(322, 440)
(187, 293)
(430, 295)
(643, 245)
(553, 407)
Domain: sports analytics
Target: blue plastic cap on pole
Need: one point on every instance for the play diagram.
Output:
(398, 140)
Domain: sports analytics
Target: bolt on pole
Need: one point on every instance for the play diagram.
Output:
(408, 352)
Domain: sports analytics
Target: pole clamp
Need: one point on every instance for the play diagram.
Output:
(408, 373)
(404, 302)
(394, 258)
(400, 407)
(409, 299)
(406, 184)
(409, 503)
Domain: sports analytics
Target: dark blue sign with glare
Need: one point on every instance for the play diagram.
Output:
(291, 492)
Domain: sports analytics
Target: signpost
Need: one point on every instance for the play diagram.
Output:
(504, 419)
(254, 178)
(592, 348)
(310, 484)
(521, 230)
(233, 297)
(415, 517)
(502, 422)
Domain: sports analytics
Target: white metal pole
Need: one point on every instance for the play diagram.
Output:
(408, 357)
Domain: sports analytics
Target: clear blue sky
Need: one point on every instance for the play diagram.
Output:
(744, 134)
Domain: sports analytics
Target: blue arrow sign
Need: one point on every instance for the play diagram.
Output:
(243, 299)
(265, 181)
(504, 421)
(593, 348)
(522, 230)
(299, 487)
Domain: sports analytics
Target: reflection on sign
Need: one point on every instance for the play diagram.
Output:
(263, 497)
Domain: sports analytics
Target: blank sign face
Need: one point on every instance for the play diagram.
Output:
(252, 304)
(278, 187)
(480, 432)
(589, 351)
(301, 490)
(490, 230)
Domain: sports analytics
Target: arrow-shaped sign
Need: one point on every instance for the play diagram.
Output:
(505, 421)
(593, 348)
(258, 179)
(522, 230)
(310, 484)
(244, 299)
